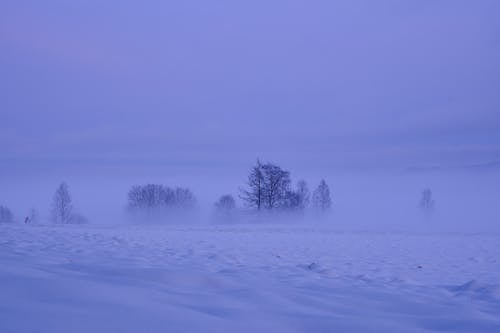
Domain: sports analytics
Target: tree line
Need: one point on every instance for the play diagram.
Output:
(154, 199)
(268, 189)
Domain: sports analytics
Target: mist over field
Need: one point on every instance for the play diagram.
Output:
(259, 166)
(361, 201)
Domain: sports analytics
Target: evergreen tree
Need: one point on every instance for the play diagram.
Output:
(62, 206)
(321, 197)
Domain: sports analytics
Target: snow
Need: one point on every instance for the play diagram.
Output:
(245, 278)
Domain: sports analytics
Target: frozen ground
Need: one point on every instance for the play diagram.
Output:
(245, 279)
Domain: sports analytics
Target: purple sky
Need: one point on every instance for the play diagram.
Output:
(347, 84)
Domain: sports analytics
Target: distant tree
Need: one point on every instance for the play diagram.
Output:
(154, 199)
(146, 198)
(268, 187)
(276, 185)
(303, 194)
(137, 198)
(427, 203)
(167, 197)
(253, 194)
(62, 206)
(6, 215)
(291, 201)
(184, 198)
(225, 209)
(226, 203)
(296, 200)
(321, 197)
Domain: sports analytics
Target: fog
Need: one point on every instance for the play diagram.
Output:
(388, 109)
(466, 201)
(382, 99)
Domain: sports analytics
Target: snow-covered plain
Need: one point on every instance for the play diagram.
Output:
(245, 278)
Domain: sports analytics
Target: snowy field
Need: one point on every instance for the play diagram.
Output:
(245, 279)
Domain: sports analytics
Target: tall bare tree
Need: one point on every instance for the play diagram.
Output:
(276, 185)
(253, 194)
(268, 186)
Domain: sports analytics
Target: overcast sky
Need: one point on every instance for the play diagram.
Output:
(358, 84)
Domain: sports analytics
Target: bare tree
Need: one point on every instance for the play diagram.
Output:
(62, 207)
(6, 215)
(321, 197)
(225, 209)
(291, 201)
(225, 203)
(156, 199)
(276, 185)
(253, 195)
(135, 198)
(168, 197)
(297, 200)
(184, 198)
(147, 198)
(268, 186)
(427, 203)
